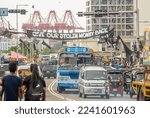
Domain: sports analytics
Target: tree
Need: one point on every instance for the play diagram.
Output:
(45, 51)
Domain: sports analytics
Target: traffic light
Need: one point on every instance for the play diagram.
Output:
(80, 14)
(23, 11)
(100, 13)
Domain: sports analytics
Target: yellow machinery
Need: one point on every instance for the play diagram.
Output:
(142, 88)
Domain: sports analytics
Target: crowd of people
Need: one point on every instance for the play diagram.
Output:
(14, 88)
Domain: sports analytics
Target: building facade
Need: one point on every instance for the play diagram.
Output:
(124, 23)
(6, 44)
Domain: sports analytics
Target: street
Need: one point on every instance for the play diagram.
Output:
(72, 95)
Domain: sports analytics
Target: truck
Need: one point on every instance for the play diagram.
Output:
(142, 87)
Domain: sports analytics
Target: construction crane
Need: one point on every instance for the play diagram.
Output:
(4, 25)
(50, 21)
(68, 23)
(33, 22)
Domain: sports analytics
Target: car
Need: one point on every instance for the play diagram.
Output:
(2, 72)
(26, 70)
(5, 67)
(93, 81)
(49, 71)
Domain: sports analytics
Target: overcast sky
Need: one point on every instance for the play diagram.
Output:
(44, 6)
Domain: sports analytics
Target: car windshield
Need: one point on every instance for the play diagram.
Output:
(127, 75)
(139, 76)
(115, 75)
(96, 75)
(5, 67)
(84, 59)
(67, 59)
(49, 67)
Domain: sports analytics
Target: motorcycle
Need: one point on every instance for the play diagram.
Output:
(127, 81)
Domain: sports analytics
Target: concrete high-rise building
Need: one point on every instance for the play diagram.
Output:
(124, 23)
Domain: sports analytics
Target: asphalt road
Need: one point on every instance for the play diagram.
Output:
(72, 94)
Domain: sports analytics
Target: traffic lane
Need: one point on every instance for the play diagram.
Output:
(50, 96)
(72, 95)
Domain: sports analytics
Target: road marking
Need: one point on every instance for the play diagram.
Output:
(50, 89)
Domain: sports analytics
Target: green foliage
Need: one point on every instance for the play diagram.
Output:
(46, 51)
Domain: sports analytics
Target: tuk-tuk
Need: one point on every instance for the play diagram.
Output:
(136, 75)
(115, 81)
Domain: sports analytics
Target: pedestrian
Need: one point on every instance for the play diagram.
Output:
(31, 82)
(12, 84)
(20, 73)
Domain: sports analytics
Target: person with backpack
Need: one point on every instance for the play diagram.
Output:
(12, 84)
(34, 85)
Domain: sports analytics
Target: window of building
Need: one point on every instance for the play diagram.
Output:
(103, 2)
(87, 3)
(95, 27)
(118, 26)
(129, 20)
(129, 1)
(95, 8)
(123, 33)
(129, 26)
(118, 2)
(129, 14)
(103, 8)
(95, 2)
(123, 20)
(88, 9)
(104, 20)
(129, 8)
(88, 21)
(129, 33)
(112, 8)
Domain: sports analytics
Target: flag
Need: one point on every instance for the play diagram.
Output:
(44, 43)
(111, 36)
(34, 46)
(127, 50)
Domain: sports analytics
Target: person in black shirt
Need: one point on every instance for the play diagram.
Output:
(27, 81)
(12, 84)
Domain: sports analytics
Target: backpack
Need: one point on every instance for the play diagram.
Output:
(37, 93)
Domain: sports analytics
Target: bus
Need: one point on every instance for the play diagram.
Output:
(70, 60)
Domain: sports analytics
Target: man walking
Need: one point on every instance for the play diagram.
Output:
(12, 84)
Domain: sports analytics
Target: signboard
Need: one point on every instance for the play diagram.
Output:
(3, 11)
(65, 36)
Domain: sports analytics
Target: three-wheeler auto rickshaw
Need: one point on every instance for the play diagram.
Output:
(137, 75)
(115, 81)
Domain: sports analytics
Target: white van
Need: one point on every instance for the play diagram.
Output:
(93, 81)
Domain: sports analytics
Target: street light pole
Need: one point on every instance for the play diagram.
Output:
(137, 25)
(17, 26)
(137, 32)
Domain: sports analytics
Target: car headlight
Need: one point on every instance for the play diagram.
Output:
(128, 80)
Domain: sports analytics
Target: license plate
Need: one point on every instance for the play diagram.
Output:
(97, 91)
(114, 89)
